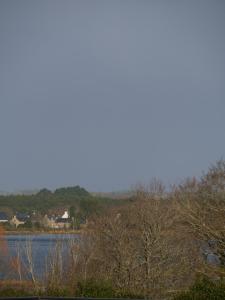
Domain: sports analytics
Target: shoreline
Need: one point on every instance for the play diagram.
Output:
(27, 232)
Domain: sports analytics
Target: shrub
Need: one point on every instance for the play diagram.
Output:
(57, 292)
(11, 292)
(102, 289)
(95, 289)
(204, 289)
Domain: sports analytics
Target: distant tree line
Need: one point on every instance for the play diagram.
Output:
(80, 203)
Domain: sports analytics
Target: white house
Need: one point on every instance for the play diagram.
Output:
(65, 215)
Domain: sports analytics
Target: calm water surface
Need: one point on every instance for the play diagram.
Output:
(41, 245)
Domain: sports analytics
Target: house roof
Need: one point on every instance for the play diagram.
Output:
(3, 216)
(22, 217)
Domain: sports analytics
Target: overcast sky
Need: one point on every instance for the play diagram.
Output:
(107, 94)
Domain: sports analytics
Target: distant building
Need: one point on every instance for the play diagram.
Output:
(48, 222)
(65, 215)
(57, 222)
(19, 219)
(63, 223)
(3, 217)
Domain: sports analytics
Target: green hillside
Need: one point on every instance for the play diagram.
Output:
(76, 199)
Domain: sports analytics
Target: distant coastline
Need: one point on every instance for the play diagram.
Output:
(30, 232)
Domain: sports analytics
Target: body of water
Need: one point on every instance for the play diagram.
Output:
(16, 249)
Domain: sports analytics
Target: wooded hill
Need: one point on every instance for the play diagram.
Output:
(76, 199)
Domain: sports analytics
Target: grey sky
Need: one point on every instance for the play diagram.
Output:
(106, 94)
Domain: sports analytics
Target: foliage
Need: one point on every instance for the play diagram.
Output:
(93, 288)
(9, 291)
(28, 224)
(57, 292)
(204, 289)
(44, 200)
(80, 203)
(101, 289)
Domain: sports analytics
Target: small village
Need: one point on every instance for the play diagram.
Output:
(60, 220)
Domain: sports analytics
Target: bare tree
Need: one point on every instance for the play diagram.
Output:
(55, 267)
(143, 247)
(202, 207)
(16, 262)
(30, 261)
(164, 245)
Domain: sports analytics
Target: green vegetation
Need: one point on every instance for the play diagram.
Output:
(12, 292)
(45, 199)
(88, 289)
(81, 204)
(95, 289)
(101, 289)
(204, 289)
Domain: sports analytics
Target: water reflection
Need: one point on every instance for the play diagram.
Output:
(17, 250)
